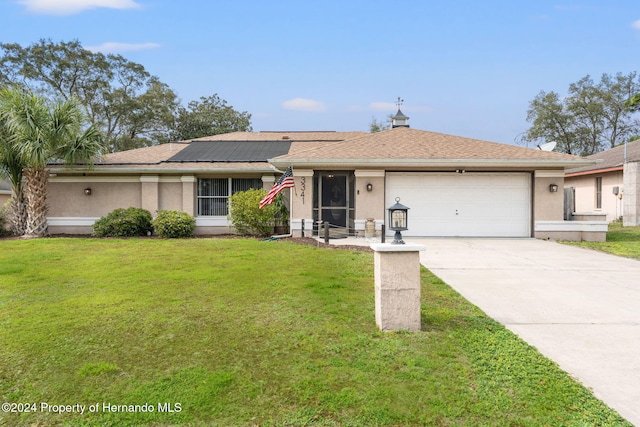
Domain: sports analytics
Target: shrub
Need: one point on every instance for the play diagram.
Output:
(174, 224)
(247, 217)
(128, 222)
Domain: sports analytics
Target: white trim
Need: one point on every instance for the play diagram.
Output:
(268, 179)
(598, 226)
(173, 179)
(188, 178)
(366, 173)
(212, 221)
(149, 178)
(549, 173)
(296, 224)
(434, 163)
(390, 247)
(71, 221)
(302, 172)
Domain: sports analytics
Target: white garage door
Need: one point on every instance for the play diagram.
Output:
(468, 204)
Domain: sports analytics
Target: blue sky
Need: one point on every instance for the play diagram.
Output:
(462, 67)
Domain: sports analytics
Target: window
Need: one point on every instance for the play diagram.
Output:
(599, 192)
(213, 193)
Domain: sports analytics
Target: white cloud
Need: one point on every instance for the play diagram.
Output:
(112, 47)
(302, 104)
(390, 107)
(70, 7)
(636, 24)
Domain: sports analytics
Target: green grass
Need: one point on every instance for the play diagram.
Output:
(243, 332)
(622, 241)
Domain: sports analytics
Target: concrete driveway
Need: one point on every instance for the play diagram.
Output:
(579, 307)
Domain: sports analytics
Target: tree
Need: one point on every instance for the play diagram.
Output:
(210, 116)
(41, 132)
(552, 122)
(133, 108)
(592, 117)
(376, 126)
(11, 169)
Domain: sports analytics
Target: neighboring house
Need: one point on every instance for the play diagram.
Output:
(454, 186)
(611, 186)
(5, 192)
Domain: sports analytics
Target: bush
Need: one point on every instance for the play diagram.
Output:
(247, 217)
(128, 222)
(174, 224)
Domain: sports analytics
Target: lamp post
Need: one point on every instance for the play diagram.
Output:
(397, 277)
(398, 221)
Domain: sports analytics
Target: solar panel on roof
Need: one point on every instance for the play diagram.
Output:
(231, 151)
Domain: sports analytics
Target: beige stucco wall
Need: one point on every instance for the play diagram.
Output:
(632, 194)
(301, 203)
(73, 212)
(170, 196)
(548, 206)
(4, 198)
(67, 199)
(370, 204)
(585, 190)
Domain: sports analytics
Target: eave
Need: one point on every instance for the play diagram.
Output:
(154, 169)
(595, 171)
(431, 163)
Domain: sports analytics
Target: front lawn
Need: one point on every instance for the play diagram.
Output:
(622, 241)
(206, 332)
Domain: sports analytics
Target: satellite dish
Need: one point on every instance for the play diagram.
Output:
(549, 146)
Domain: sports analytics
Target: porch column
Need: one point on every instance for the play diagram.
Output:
(149, 190)
(268, 181)
(302, 202)
(188, 193)
(369, 199)
(631, 194)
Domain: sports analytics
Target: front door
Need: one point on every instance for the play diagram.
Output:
(333, 201)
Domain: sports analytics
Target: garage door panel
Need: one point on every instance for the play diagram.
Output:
(471, 204)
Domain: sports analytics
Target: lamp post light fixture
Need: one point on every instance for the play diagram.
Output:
(398, 221)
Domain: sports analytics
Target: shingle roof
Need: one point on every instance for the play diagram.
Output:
(394, 147)
(283, 135)
(146, 155)
(417, 145)
(231, 151)
(610, 159)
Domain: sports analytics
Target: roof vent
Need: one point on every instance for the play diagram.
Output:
(285, 137)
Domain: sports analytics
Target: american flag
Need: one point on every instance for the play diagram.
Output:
(285, 181)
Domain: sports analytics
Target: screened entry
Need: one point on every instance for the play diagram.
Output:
(334, 202)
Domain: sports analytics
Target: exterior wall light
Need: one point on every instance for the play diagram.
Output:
(398, 221)
(553, 188)
(87, 191)
(369, 187)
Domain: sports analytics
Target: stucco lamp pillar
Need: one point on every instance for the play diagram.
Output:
(397, 281)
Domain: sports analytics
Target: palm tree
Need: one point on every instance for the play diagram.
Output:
(11, 168)
(40, 133)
